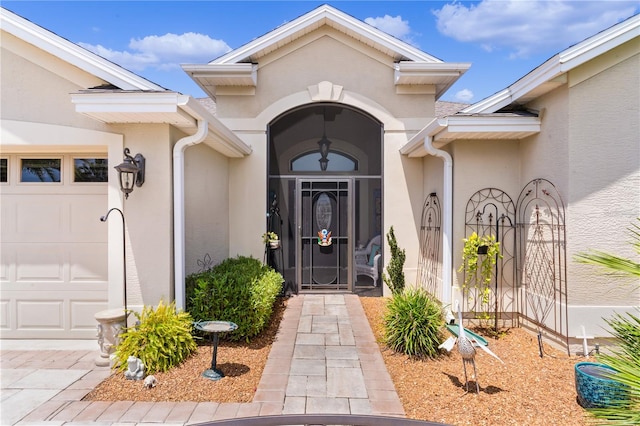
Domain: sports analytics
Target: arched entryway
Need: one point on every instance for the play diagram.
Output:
(325, 175)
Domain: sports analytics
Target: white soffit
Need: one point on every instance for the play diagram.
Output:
(471, 127)
(73, 54)
(181, 111)
(442, 75)
(552, 73)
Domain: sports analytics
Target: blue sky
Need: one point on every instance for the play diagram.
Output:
(503, 39)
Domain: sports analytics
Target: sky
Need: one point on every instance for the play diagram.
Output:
(502, 39)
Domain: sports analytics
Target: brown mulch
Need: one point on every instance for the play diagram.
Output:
(525, 390)
(242, 364)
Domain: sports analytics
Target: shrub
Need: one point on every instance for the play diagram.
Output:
(241, 290)
(395, 280)
(162, 339)
(413, 323)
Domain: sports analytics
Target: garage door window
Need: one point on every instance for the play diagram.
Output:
(3, 170)
(90, 170)
(40, 170)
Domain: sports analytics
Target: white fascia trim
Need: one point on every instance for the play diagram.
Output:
(73, 54)
(216, 127)
(415, 146)
(406, 72)
(240, 74)
(131, 102)
(561, 63)
(492, 124)
(324, 12)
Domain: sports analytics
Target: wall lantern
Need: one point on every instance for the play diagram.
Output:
(131, 172)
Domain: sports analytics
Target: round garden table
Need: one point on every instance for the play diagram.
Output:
(215, 328)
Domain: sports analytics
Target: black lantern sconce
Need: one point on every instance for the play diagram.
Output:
(324, 144)
(131, 172)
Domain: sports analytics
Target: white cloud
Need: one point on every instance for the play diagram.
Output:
(165, 52)
(464, 95)
(394, 26)
(525, 27)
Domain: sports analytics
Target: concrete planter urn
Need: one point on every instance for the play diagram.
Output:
(109, 324)
(594, 386)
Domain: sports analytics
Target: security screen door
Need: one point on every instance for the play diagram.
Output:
(324, 247)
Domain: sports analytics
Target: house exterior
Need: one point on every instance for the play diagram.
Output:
(299, 143)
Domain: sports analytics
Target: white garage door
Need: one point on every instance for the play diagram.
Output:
(53, 252)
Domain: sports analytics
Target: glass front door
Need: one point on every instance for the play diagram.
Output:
(323, 246)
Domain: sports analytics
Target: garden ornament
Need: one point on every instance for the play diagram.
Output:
(467, 349)
(135, 370)
(150, 382)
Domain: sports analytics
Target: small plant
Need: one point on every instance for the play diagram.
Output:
(241, 290)
(162, 339)
(395, 279)
(413, 323)
(269, 236)
(478, 268)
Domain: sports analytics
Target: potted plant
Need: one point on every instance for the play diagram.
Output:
(271, 238)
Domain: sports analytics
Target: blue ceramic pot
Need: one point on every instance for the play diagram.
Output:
(594, 385)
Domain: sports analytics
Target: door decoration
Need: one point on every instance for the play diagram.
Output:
(324, 238)
(324, 215)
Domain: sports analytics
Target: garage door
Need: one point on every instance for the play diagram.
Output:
(53, 246)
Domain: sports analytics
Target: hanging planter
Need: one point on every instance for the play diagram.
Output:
(274, 244)
(479, 258)
(271, 238)
(483, 249)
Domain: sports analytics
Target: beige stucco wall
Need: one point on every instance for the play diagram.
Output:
(36, 86)
(149, 218)
(478, 165)
(326, 55)
(206, 207)
(604, 166)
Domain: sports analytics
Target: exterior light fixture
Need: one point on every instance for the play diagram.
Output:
(324, 144)
(131, 172)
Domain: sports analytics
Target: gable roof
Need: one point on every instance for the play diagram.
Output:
(549, 75)
(73, 54)
(412, 66)
(326, 15)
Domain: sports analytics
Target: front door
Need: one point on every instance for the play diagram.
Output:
(323, 242)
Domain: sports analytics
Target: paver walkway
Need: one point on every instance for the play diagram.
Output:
(325, 360)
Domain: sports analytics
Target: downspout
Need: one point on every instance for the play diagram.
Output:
(178, 209)
(447, 218)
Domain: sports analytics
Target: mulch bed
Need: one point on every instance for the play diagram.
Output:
(525, 390)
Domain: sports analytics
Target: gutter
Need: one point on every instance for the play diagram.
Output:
(178, 209)
(447, 218)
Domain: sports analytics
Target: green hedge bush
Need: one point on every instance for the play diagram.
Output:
(413, 323)
(241, 290)
(162, 339)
